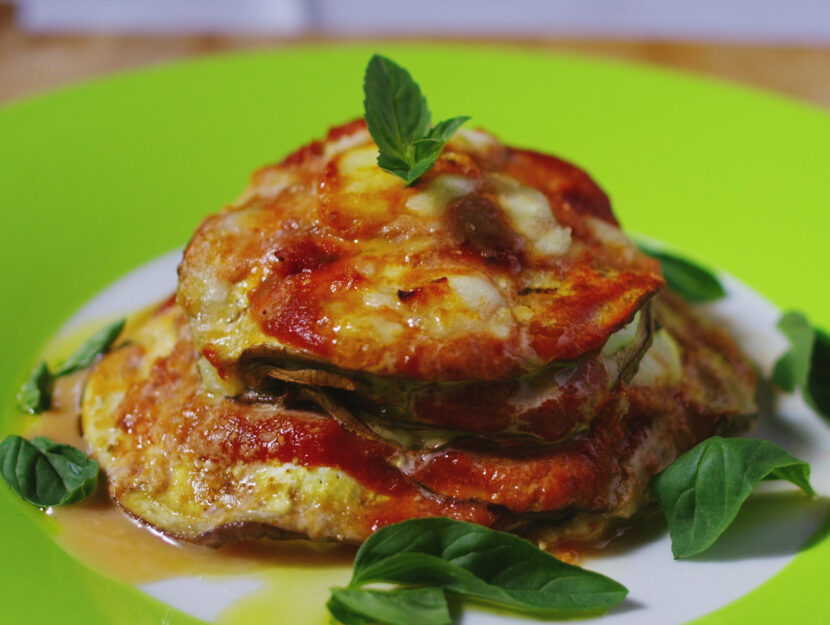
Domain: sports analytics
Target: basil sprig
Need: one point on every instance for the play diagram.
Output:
(689, 280)
(399, 121)
(476, 563)
(36, 393)
(806, 366)
(46, 473)
(702, 491)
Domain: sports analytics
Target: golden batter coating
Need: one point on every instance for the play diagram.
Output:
(496, 263)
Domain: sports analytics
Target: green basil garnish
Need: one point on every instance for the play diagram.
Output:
(806, 366)
(818, 382)
(702, 491)
(399, 121)
(46, 473)
(692, 282)
(481, 564)
(96, 344)
(403, 606)
(36, 393)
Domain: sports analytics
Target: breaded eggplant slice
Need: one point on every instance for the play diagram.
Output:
(692, 383)
(207, 469)
(548, 405)
(496, 264)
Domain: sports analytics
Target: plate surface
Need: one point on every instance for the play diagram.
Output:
(96, 180)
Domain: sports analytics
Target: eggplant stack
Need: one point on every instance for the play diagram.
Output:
(346, 352)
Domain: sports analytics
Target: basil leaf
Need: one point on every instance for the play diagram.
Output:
(428, 150)
(399, 121)
(438, 136)
(403, 606)
(692, 282)
(793, 368)
(342, 614)
(701, 492)
(35, 395)
(46, 473)
(818, 381)
(480, 563)
(806, 366)
(396, 111)
(96, 344)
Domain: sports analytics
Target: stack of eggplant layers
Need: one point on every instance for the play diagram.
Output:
(346, 352)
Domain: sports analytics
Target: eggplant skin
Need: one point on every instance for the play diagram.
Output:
(209, 469)
(497, 263)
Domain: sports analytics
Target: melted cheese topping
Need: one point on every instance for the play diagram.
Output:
(434, 200)
(491, 266)
(529, 213)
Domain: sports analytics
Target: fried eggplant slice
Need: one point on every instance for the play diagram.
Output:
(207, 469)
(549, 405)
(496, 264)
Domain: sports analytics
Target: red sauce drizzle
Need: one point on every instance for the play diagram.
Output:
(288, 303)
(483, 408)
(313, 442)
(323, 442)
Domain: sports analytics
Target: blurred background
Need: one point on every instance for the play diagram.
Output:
(781, 45)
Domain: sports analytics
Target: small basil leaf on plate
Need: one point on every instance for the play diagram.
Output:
(341, 613)
(96, 344)
(702, 491)
(818, 382)
(402, 606)
(35, 395)
(689, 280)
(46, 473)
(482, 564)
(399, 121)
(793, 368)
(806, 366)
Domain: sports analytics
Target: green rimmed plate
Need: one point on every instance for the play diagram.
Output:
(96, 180)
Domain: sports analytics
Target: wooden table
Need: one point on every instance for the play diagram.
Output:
(32, 63)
